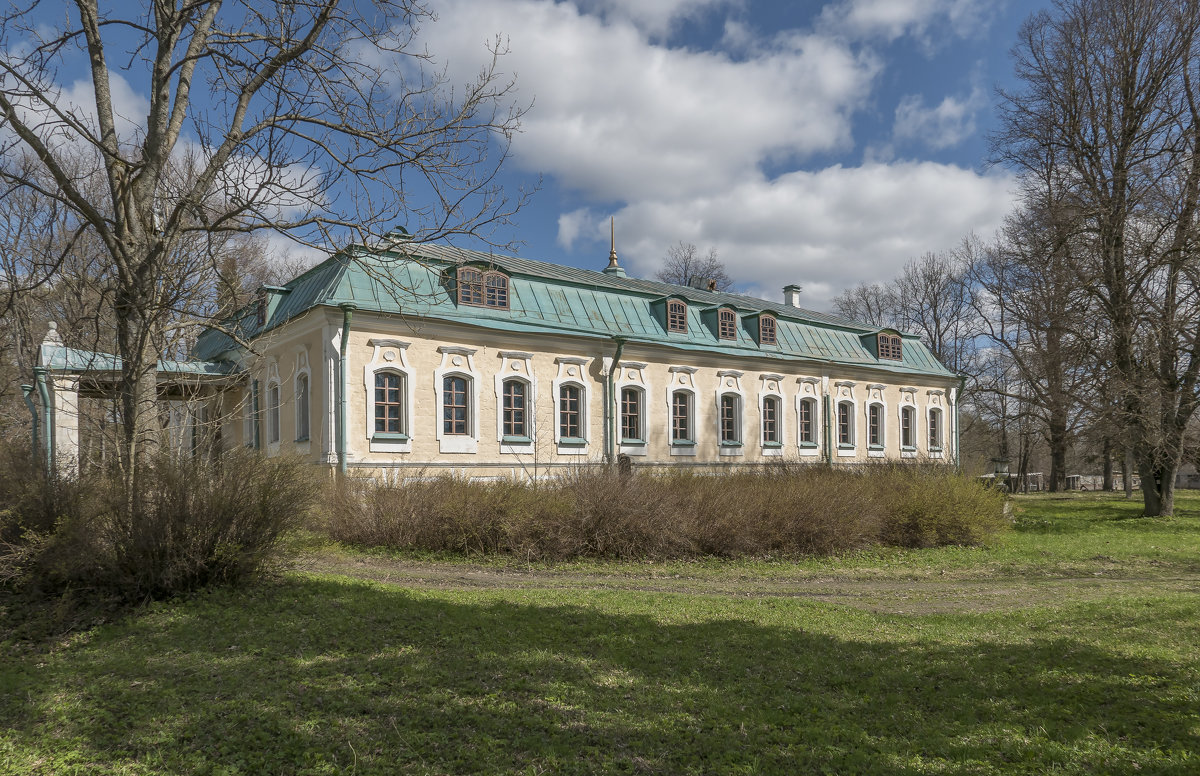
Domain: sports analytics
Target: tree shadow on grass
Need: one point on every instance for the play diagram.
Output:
(317, 676)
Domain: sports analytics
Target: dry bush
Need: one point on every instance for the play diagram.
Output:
(596, 512)
(194, 523)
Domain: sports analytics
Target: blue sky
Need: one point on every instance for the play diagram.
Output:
(824, 144)
(821, 144)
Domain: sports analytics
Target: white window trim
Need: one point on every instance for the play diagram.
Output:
(272, 381)
(729, 382)
(572, 370)
(875, 398)
(516, 365)
(389, 355)
(302, 370)
(248, 415)
(771, 386)
(908, 398)
(809, 390)
(682, 379)
(936, 399)
(632, 374)
(457, 361)
(844, 394)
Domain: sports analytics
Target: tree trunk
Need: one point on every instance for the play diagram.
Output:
(1158, 488)
(1058, 453)
(1127, 472)
(1108, 464)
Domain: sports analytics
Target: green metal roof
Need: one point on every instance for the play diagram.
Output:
(549, 298)
(58, 358)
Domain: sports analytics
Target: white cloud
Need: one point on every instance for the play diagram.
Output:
(654, 17)
(826, 230)
(617, 116)
(891, 19)
(942, 126)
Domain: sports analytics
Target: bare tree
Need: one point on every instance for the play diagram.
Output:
(1107, 107)
(684, 266)
(933, 299)
(322, 119)
(875, 304)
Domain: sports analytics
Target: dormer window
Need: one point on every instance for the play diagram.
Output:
(482, 289)
(727, 324)
(766, 330)
(677, 316)
(889, 347)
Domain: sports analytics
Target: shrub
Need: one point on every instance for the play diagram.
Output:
(596, 512)
(193, 523)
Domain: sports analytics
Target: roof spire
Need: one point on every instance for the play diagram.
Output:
(613, 267)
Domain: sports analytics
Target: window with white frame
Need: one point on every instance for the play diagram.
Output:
(515, 396)
(273, 413)
(632, 419)
(875, 425)
(808, 415)
(770, 420)
(570, 413)
(908, 428)
(681, 417)
(302, 411)
(935, 429)
(845, 424)
(456, 405)
(389, 403)
(731, 419)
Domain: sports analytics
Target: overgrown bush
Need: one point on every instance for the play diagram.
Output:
(596, 512)
(192, 523)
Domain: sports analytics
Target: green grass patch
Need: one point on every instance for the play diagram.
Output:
(734, 667)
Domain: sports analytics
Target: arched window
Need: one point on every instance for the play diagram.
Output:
(908, 436)
(731, 419)
(389, 403)
(570, 412)
(676, 316)
(808, 414)
(875, 425)
(456, 406)
(482, 288)
(632, 421)
(889, 347)
(766, 330)
(681, 417)
(726, 324)
(845, 422)
(302, 414)
(935, 429)
(273, 413)
(770, 420)
(515, 422)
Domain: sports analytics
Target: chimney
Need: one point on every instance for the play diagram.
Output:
(791, 294)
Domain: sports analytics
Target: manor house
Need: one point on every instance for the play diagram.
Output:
(407, 357)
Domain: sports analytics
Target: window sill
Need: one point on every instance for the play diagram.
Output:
(576, 441)
(683, 443)
(808, 445)
(633, 441)
(935, 449)
(516, 440)
(874, 447)
(730, 443)
(907, 449)
(773, 445)
(302, 439)
(844, 446)
(380, 436)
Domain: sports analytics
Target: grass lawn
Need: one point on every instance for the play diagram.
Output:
(1071, 646)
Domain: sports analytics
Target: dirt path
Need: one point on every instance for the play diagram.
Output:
(943, 593)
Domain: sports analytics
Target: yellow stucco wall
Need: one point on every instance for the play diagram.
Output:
(424, 351)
